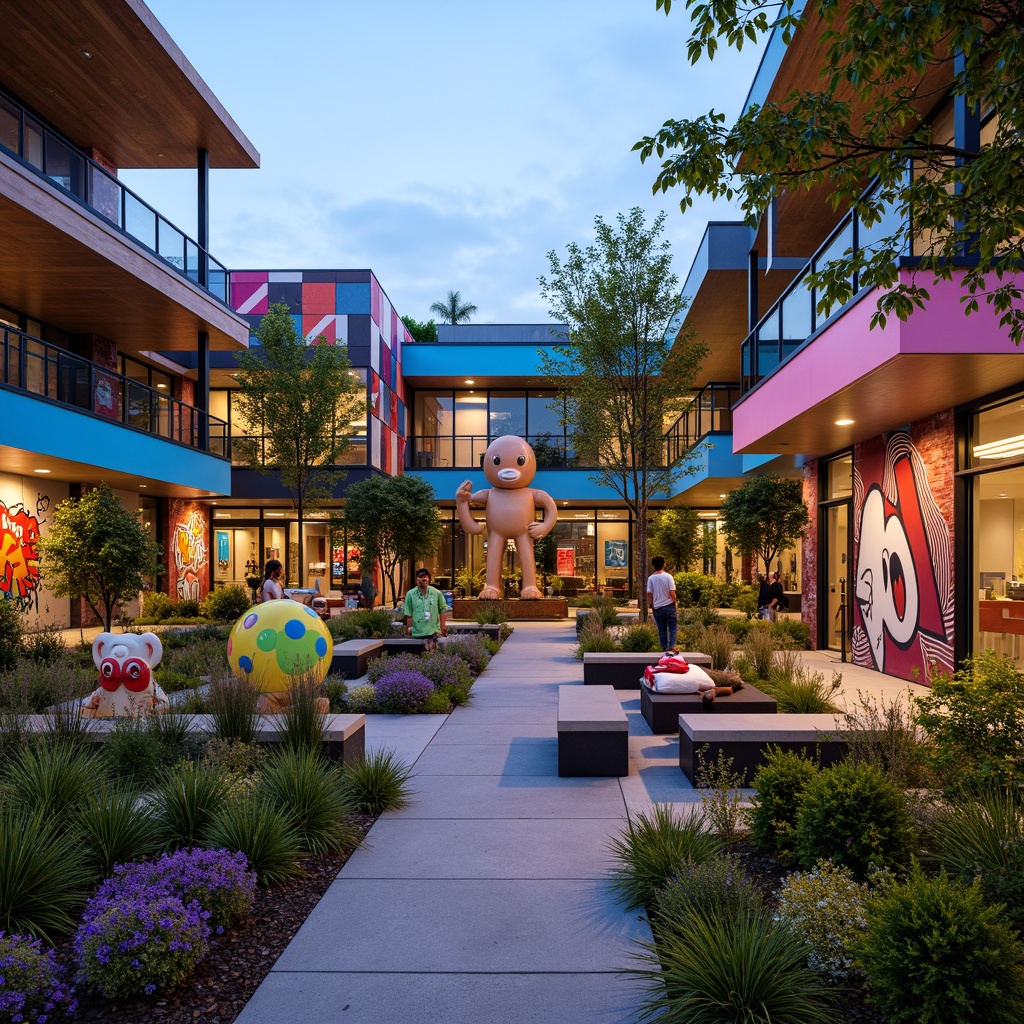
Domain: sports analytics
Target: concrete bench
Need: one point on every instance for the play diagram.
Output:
(344, 736)
(661, 711)
(746, 738)
(623, 669)
(403, 645)
(491, 630)
(593, 733)
(352, 657)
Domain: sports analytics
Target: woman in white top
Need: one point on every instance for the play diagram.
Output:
(272, 589)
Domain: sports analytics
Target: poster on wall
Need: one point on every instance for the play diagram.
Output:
(565, 560)
(615, 554)
(223, 548)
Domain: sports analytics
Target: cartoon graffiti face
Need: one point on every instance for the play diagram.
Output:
(509, 462)
(887, 585)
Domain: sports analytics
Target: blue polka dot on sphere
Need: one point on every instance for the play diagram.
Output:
(321, 646)
(295, 630)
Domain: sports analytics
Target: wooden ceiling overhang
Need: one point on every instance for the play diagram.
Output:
(108, 75)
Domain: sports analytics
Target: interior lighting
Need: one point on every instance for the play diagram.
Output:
(40, 471)
(143, 486)
(721, 495)
(1002, 449)
(221, 515)
(87, 54)
(844, 423)
(275, 515)
(470, 381)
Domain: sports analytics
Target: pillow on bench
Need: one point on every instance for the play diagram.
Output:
(694, 680)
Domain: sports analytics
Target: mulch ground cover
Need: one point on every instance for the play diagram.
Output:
(237, 961)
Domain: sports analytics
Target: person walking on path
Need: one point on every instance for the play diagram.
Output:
(764, 596)
(272, 589)
(778, 600)
(661, 594)
(426, 611)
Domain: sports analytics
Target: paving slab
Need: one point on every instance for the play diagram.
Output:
(518, 755)
(491, 925)
(406, 735)
(443, 998)
(485, 848)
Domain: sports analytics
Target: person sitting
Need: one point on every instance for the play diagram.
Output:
(272, 590)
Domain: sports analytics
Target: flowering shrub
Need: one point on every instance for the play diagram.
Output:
(218, 880)
(472, 649)
(403, 692)
(31, 982)
(362, 699)
(139, 941)
(826, 907)
(446, 670)
(384, 666)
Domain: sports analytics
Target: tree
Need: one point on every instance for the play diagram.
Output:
(453, 310)
(765, 515)
(421, 331)
(676, 536)
(99, 551)
(622, 382)
(394, 520)
(885, 65)
(299, 402)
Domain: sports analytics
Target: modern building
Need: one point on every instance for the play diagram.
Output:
(96, 285)
(908, 436)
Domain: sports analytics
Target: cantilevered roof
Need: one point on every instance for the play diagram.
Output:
(107, 74)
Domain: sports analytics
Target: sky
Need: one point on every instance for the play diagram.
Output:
(444, 144)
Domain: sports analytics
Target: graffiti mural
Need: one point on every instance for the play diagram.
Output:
(903, 583)
(190, 555)
(19, 554)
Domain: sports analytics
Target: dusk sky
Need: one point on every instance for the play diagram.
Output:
(444, 144)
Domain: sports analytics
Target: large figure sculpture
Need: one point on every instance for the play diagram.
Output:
(510, 510)
(127, 687)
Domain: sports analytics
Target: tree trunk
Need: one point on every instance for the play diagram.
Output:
(641, 560)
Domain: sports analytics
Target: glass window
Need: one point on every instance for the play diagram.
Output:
(507, 413)
(9, 118)
(997, 434)
(543, 409)
(839, 478)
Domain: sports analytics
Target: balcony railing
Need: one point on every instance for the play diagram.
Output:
(39, 368)
(65, 166)
(709, 412)
(795, 317)
(433, 451)
(355, 455)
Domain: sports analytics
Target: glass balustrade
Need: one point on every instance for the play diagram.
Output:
(73, 172)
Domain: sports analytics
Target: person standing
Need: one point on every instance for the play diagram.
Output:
(764, 596)
(778, 600)
(272, 590)
(661, 594)
(426, 611)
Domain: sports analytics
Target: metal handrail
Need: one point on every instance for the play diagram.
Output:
(36, 367)
(63, 164)
(466, 451)
(710, 411)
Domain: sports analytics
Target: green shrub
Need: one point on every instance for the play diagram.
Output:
(241, 763)
(806, 693)
(234, 704)
(344, 627)
(792, 633)
(885, 735)
(31, 687)
(694, 589)
(156, 606)
(268, 836)
(759, 647)
(336, 692)
(719, 886)
(52, 777)
(374, 623)
(114, 827)
(716, 641)
(46, 645)
(605, 610)
(225, 604)
(593, 638)
(582, 601)
(187, 639)
(733, 969)
(640, 638)
(653, 848)
(726, 593)
(745, 601)
(186, 802)
(189, 609)
(983, 837)
(935, 953)
(205, 656)
(438, 703)
(306, 787)
(779, 786)
(362, 700)
(741, 627)
(43, 878)
(491, 613)
(826, 908)
(376, 783)
(719, 787)
(975, 723)
(135, 751)
(852, 814)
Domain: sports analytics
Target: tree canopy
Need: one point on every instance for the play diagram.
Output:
(98, 550)
(298, 402)
(394, 520)
(421, 331)
(765, 515)
(453, 310)
(676, 536)
(885, 66)
(622, 381)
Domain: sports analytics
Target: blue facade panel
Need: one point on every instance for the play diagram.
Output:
(353, 298)
(60, 433)
(440, 359)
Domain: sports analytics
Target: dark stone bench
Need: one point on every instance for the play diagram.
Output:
(403, 645)
(661, 711)
(593, 733)
(353, 657)
(491, 630)
(746, 738)
(624, 669)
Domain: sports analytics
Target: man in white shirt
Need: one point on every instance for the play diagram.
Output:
(661, 596)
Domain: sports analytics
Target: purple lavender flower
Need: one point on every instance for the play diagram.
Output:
(403, 692)
(32, 985)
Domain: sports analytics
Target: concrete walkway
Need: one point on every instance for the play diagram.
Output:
(487, 899)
